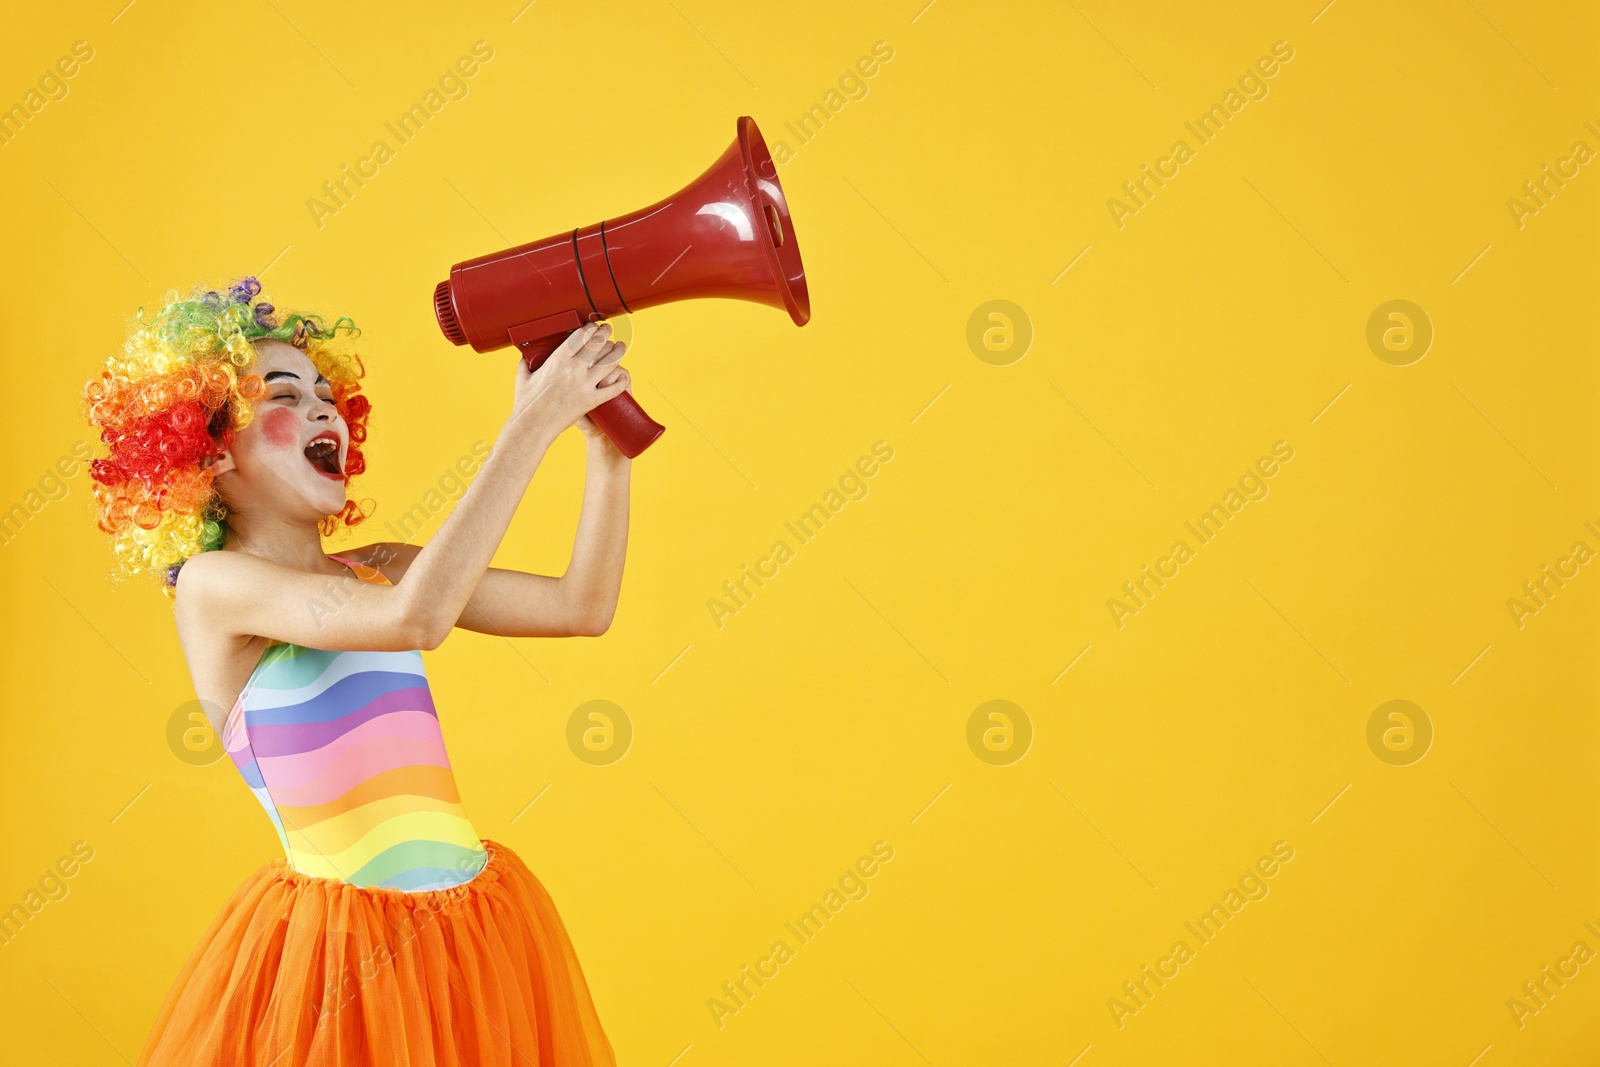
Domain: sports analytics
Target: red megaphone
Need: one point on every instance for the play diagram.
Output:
(726, 234)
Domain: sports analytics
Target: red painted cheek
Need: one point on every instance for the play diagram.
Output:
(281, 427)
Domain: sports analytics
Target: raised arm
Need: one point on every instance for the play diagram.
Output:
(593, 581)
(247, 595)
(579, 603)
(583, 600)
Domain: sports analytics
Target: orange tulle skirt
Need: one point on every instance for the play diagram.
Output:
(298, 971)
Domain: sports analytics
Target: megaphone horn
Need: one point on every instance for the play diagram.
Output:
(726, 234)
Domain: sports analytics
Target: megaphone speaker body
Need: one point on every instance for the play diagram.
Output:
(727, 234)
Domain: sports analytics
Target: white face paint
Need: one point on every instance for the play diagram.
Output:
(287, 463)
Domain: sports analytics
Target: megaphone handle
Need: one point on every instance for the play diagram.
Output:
(620, 418)
(625, 422)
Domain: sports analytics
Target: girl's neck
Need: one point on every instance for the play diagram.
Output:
(291, 544)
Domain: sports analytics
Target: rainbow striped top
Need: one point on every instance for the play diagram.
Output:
(344, 752)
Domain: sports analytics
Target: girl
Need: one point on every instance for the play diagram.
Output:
(390, 932)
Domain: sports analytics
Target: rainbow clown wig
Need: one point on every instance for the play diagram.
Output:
(176, 395)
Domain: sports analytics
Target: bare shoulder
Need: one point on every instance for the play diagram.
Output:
(207, 591)
(209, 577)
(202, 577)
(215, 588)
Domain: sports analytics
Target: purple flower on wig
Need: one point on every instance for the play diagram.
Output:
(242, 292)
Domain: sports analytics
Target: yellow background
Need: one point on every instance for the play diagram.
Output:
(826, 715)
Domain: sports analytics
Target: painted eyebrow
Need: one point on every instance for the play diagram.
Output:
(291, 374)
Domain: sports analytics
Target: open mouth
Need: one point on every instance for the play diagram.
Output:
(323, 454)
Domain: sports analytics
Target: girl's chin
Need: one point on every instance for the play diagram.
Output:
(326, 503)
